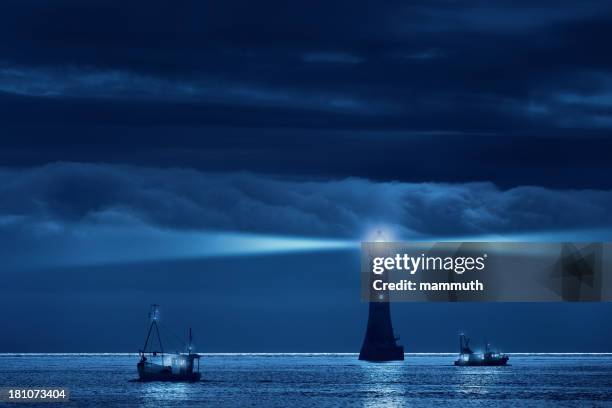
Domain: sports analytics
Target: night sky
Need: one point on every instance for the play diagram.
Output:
(225, 159)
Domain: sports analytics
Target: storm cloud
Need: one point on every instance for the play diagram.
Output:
(63, 194)
(517, 93)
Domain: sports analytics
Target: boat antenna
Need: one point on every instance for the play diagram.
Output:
(190, 341)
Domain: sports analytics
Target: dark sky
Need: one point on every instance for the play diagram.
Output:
(148, 149)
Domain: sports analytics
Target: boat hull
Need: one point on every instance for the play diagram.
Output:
(483, 363)
(154, 372)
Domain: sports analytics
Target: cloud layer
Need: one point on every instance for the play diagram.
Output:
(58, 195)
(517, 93)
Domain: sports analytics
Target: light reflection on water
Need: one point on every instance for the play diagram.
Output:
(476, 380)
(383, 384)
(322, 380)
(156, 394)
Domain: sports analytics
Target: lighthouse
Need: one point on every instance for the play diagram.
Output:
(380, 342)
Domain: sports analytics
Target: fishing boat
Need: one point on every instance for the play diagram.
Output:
(156, 365)
(467, 357)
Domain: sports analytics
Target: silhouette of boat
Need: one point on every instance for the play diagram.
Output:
(468, 358)
(155, 365)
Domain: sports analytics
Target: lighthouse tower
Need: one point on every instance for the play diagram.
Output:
(380, 342)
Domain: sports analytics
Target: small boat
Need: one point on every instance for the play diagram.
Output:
(468, 358)
(155, 365)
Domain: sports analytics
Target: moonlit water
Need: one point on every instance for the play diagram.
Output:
(328, 380)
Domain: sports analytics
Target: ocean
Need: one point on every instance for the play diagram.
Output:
(320, 380)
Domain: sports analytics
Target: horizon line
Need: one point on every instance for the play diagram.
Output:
(7, 354)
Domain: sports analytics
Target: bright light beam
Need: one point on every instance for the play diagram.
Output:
(97, 245)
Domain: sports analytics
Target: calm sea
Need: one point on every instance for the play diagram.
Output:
(320, 380)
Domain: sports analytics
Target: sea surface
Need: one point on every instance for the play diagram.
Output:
(320, 380)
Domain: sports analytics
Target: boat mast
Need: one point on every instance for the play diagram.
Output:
(464, 344)
(154, 317)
